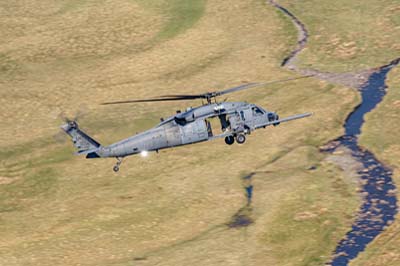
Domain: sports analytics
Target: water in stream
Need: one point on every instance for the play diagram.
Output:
(379, 205)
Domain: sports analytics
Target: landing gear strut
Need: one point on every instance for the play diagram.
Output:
(116, 167)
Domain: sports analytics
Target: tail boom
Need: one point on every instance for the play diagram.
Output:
(83, 142)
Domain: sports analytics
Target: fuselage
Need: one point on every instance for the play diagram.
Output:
(191, 127)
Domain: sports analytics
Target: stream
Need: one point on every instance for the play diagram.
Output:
(379, 205)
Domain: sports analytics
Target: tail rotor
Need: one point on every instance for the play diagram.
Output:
(70, 122)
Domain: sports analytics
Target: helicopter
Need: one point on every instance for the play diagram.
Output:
(237, 119)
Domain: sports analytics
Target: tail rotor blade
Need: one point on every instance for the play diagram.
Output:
(63, 117)
(82, 111)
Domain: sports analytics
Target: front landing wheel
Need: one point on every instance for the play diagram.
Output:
(240, 138)
(229, 140)
(116, 168)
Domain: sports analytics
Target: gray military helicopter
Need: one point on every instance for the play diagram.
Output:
(237, 120)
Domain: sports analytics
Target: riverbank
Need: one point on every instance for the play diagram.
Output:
(382, 125)
(379, 201)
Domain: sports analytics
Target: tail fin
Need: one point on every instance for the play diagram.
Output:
(84, 143)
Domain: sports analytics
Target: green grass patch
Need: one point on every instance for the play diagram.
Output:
(71, 5)
(380, 131)
(8, 66)
(288, 32)
(181, 15)
(31, 186)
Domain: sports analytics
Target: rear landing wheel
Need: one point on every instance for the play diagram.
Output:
(229, 140)
(240, 138)
(119, 161)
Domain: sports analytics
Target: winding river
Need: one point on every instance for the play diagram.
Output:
(379, 205)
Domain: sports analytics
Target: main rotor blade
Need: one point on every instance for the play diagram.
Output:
(234, 89)
(150, 100)
(252, 85)
(186, 96)
(215, 93)
(207, 95)
(238, 88)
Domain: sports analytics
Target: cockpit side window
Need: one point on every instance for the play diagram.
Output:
(257, 111)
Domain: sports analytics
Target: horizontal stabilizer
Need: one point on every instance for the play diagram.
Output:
(87, 151)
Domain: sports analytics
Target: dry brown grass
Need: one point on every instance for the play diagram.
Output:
(348, 35)
(171, 208)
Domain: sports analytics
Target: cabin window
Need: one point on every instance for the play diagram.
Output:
(180, 121)
(257, 111)
(242, 115)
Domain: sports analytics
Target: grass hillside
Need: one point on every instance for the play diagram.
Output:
(348, 35)
(171, 208)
